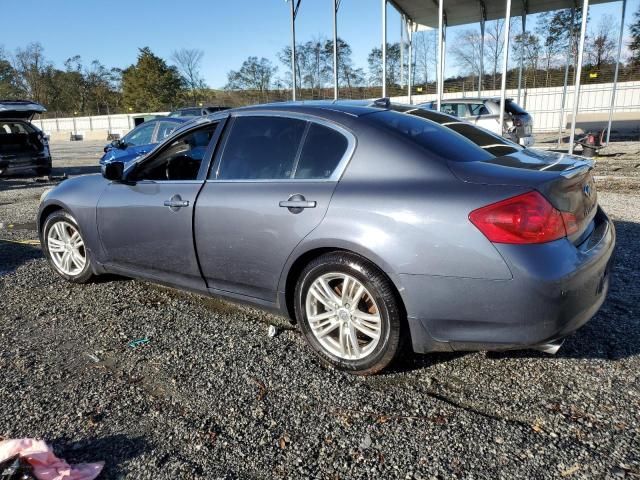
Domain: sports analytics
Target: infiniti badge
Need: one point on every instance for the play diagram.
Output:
(587, 190)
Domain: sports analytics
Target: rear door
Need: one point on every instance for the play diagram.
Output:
(270, 187)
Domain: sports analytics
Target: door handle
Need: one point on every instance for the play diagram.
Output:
(176, 203)
(296, 203)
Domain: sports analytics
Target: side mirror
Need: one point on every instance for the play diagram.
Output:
(113, 171)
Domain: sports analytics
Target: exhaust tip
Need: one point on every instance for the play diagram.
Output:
(551, 347)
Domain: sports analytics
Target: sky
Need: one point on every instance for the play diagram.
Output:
(228, 31)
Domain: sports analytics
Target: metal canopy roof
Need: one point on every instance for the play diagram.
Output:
(461, 12)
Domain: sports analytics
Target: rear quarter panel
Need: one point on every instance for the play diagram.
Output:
(407, 213)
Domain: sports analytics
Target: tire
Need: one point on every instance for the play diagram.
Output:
(377, 299)
(61, 221)
(43, 171)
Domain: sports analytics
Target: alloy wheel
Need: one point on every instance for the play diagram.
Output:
(66, 248)
(343, 316)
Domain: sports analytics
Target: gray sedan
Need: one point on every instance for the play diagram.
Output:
(375, 230)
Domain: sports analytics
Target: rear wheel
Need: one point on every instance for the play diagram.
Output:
(65, 249)
(349, 313)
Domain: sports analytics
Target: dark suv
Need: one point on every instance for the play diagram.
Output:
(23, 146)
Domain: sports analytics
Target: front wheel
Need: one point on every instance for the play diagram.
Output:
(64, 247)
(348, 312)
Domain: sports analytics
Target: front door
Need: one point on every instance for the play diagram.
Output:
(147, 227)
(270, 188)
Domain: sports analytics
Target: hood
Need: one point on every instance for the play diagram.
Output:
(20, 109)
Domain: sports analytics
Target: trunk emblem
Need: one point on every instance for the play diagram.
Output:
(587, 190)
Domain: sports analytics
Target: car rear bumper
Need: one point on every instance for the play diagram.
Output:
(556, 288)
(15, 164)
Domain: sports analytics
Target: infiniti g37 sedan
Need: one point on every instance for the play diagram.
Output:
(374, 230)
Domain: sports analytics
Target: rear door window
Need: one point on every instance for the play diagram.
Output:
(477, 109)
(323, 149)
(456, 109)
(432, 137)
(261, 148)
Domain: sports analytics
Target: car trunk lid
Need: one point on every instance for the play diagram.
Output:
(20, 109)
(564, 180)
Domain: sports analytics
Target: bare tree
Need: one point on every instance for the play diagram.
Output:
(30, 66)
(602, 44)
(466, 50)
(425, 45)
(254, 74)
(189, 62)
(494, 46)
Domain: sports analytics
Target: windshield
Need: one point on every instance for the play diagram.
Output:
(430, 136)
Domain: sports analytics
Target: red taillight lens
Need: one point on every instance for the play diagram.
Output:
(526, 218)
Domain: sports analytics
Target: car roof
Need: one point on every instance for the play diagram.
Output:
(319, 106)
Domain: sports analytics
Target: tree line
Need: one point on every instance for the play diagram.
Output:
(156, 84)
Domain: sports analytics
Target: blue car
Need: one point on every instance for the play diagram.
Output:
(141, 139)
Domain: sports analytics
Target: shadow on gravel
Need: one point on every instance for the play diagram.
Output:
(114, 450)
(13, 255)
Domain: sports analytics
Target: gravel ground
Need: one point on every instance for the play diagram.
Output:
(211, 395)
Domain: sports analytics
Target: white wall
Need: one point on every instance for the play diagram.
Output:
(91, 127)
(544, 104)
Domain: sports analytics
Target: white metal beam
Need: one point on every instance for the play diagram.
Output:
(566, 76)
(483, 18)
(615, 75)
(505, 58)
(384, 48)
(335, 49)
(576, 90)
(440, 83)
(522, 39)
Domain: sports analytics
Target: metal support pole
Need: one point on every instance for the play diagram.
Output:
(335, 49)
(576, 90)
(505, 58)
(294, 12)
(410, 79)
(566, 78)
(615, 75)
(483, 19)
(440, 52)
(384, 48)
(402, 27)
(522, 40)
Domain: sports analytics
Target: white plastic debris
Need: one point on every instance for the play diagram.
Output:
(273, 331)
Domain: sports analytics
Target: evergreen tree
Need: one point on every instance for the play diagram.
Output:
(634, 46)
(151, 85)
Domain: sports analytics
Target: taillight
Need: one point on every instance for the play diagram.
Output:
(526, 218)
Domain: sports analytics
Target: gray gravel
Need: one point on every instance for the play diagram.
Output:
(211, 395)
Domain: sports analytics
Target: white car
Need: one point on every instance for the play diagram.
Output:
(485, 112)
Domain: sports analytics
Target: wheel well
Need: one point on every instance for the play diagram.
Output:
(46, 212)
(305, 258)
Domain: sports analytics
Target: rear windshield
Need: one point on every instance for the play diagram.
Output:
(484, 139)
(8, 126)
(512, 107)
(432, 137)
